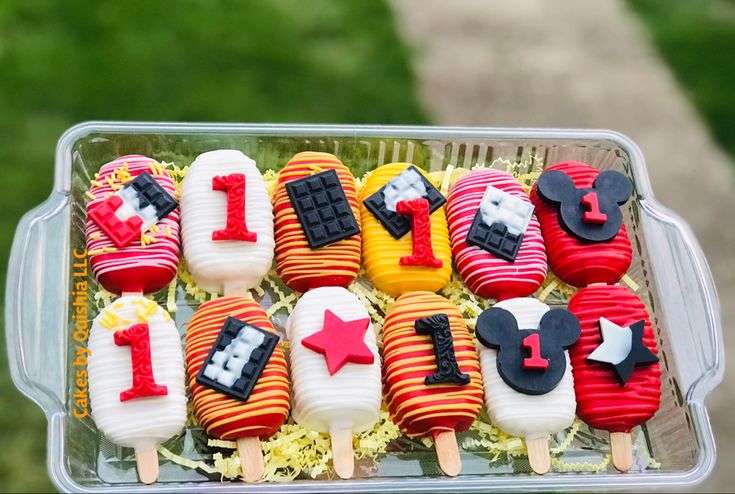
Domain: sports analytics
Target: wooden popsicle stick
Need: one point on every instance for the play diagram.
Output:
(343, 457)
(147, 461)
(538, 454)
(621, 447)
(447, 452)
(251, 458)
(236, 290)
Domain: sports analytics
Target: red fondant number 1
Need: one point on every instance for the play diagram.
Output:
(139, 339)
(535, 361)
(235, 229)
(593, 213)
(423, 253)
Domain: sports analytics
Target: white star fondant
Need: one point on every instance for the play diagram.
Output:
(617, 342)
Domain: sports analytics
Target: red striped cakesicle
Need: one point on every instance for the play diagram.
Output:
(486, 274)
(150, 262)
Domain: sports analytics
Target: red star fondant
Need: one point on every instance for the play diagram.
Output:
(340, 342)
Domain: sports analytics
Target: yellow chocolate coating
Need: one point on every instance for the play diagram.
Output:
(381, 252)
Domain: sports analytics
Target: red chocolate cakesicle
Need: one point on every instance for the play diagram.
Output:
(496, 238)
(431, 372)
(617, 378)
(317, 223)
(576, 261)
(121, 257)
(237, 376)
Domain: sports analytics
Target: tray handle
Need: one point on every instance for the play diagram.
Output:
(691, 310)
(35, 303)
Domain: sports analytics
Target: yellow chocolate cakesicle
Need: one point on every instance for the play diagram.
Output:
(381, 252)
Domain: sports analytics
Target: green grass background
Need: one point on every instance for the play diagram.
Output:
(234, 61)
(697, 39)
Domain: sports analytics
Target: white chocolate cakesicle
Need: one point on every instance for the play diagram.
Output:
(225, 266)
(529, 416)
(139, 423)
(349, 399)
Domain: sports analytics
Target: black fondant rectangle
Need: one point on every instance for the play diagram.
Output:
(243, 386)
(322, 208)
(494, 239)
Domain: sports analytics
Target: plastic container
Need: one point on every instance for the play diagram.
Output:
(668, 265)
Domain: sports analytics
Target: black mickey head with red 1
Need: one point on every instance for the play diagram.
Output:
(589, 214)
(531, 361)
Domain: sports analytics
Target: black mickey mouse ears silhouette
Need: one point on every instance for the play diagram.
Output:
(589, 214)
(497, 328)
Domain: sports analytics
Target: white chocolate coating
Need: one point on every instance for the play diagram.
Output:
(529, 416)
(350, 399)
(225, 265)
(139, 422)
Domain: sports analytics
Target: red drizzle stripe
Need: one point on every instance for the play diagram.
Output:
(222, 416)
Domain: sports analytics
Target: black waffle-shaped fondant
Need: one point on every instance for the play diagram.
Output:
(322, 208)
(150, 192)
(494, 238)
(397, 224)
(243, 386)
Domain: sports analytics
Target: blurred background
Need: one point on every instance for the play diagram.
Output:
(661, 72)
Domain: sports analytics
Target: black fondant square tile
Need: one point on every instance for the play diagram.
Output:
(322, 208)
(398, 225)
(495, 238)
(248, 376)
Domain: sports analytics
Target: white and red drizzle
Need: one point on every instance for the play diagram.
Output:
(133, 268)
(486, 275)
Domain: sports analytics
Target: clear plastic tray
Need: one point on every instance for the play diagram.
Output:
(668, 266)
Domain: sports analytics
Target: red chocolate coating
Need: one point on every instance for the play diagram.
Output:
(601, 401)
(574, 262)
(133, 268)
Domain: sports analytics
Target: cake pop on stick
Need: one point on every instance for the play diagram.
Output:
(335, 368)
(617, 378)
(136, 378)
(529, 389)
(431, 373)
(237, 376)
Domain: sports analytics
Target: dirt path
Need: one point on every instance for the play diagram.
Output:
(577, 63)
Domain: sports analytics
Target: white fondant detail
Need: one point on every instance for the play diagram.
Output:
(351, 398)
(617, 342)
(215, 264)
(140, 422)
(529, 416)
(226, 365)
(405, 186)
(131, 207)
(498, 206)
